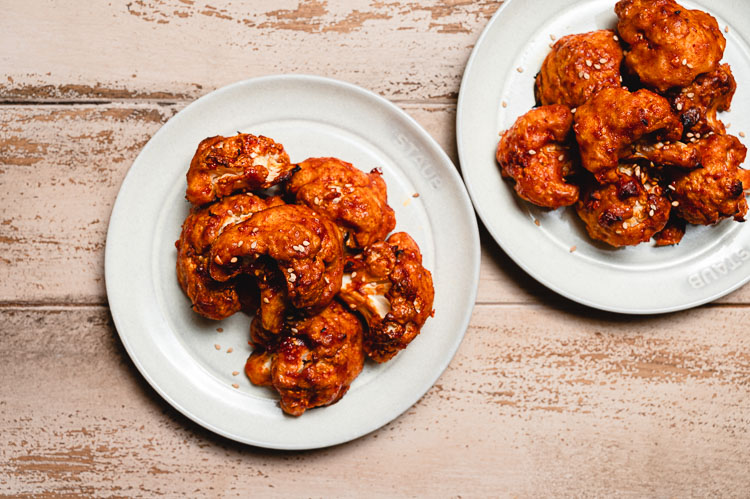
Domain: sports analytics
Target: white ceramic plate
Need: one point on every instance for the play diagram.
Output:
(174, 348)
(709, 262)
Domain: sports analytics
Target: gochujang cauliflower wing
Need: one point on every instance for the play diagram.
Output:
(626, 212)
(314, 360)
(535, 152)
(211, 299)
(577, 67)
(716, 191)
(223, 165)
(304, 247)
(698, 103)
(669, 44)
(610, 123)
(393, 291)
(355, 200)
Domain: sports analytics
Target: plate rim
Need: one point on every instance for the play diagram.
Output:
(499, 238)
(472, 279)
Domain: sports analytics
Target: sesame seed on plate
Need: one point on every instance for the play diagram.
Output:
(552, 37)
(219, 329)
(572, 249)
(726, 29)
(505, 104)
(519, 69)
(742, 134)
(536, 222)
(235, 385)
(217, 346)
(551, 45)
(230, 350)
(235, 373)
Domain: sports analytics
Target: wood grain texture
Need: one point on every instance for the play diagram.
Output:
(61, 168)
(88, 51)
(538, 401)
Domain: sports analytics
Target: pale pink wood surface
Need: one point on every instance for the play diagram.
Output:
(543, 398)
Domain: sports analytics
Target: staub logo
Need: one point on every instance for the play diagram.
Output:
(427, 171)
(719, 269)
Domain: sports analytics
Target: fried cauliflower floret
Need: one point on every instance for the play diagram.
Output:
(716, 191)
(223, 165)
(393, 291)
(305, 247)
(626, 212)
(314, 361)
(611, 121)
(698, 103)
(669, 44)
(577, 67)
(355, 200)
(535, 152)
(672, 233)
(211, 299)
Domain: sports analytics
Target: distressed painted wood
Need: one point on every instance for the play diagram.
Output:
(180, 49)
(538, 401)
(61, 168)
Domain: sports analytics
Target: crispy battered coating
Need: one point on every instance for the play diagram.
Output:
(679, 154)
(393, 291)
(314, 361)
(671, 234)
(716, 191)
(612, 120)
(669, 44)
(211, 299)
(223, 165)
(305, 247)
(355, 200)
(698, 103)
(577, 67)
(535, 153)
(624, 213)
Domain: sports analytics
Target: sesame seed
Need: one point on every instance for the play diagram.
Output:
(317, 200)
(519, 69)
(651, 213)
(580, 74)
(255, 230)
(230, 213)
(586, 76)
(603, 61)
(235, 373)
(292, 277)
(659, 145)
(670, 186)
(697, 136)
(551, 45)
(326, 280)
(217, 346)
(219, 329)
(536, 222)
(218, 260)
(588, 63)
(689, 134)
(615, 38)
(290, 270)
(253, 245)
(726, 29)
(352, 306)
(415, 195)
(690, 95)
(742, 134)
(552, 37)
(532, 152)
(597, 66)
(572, 249)
(266, 300)
(624, 225)
(505, 104)
(235, 385)
(573, 111)
(561, 157)
(729, 125)
(679, 107)
(230, 350)
(295, 330)
(690, 66)
(675, 203)
(306, 242)
(684, 62)
(239, 245)
(233, 260)
(354, 274)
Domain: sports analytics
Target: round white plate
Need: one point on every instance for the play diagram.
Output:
(708, 263)
(174, 348)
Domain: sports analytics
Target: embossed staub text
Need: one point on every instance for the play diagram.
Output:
(423, 166)
(719, 269)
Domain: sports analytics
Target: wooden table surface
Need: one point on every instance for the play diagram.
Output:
(544, 397)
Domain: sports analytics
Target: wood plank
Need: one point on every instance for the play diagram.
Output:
(182, 49)
(61, 168)
(538, 401)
